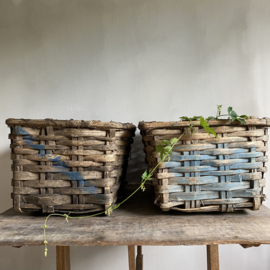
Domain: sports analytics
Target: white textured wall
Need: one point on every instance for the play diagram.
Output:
(127, 60)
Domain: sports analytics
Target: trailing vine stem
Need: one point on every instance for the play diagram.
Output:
(164, 151)
(145, 177)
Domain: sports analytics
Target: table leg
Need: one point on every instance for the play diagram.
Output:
(212, 257)
(131, 257)
(139, 259)
(62, 258)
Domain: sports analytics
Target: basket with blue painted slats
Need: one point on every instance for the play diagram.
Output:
(207, 174)
(68, 166)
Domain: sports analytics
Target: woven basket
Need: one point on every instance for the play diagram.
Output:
(205, 173)
(68, 166)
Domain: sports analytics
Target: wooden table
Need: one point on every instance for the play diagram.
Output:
(138, 223)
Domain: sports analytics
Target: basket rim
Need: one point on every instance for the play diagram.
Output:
(93, 124)
(265, 122)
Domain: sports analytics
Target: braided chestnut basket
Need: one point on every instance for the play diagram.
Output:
(205, 173)
(68, 166)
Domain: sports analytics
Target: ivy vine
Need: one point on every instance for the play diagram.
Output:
(165, 150)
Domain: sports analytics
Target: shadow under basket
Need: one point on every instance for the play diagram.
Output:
(68, 166)
(207, 174)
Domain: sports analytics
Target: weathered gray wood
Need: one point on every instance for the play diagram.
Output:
(177, 157)
(56, 199)
(69, 123)
(247, 193)
(224, 151)
(90, 155)
(44, 168)
(65, 183)
(73, 208)
(223, 129)
(247, 133)
(187, 169)
(246, 144)
(224, 173)
(186, 180)
(65, 144)
(60, 139)
(188, 196)
(225, 162)
(46, 199)
(138, 222)
(18, 175)
(175, 124)
(230, 186)
(36, 146)
(225, 201)
(185, 137)
(45, 157)
(237, 155)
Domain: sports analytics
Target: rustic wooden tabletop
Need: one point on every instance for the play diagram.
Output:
(138, 222)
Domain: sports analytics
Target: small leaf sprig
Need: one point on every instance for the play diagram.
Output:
(203, 121)
(234, 116)
(165, 149)
(231, 115)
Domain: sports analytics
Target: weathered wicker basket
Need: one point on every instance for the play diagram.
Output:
(68, 166)
(205, 173)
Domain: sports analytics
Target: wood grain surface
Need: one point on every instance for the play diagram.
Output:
(62, 258)
(212, 257)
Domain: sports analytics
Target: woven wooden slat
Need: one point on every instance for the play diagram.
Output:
(205, 173)
(68, 166)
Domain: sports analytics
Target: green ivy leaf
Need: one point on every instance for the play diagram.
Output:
(233, 113)
(173, 140)
(144, 175)
(159, 148)
(210, 130)
(205, 125)
(203, 122)
(165, 142)
(233, 118)
(241, 120)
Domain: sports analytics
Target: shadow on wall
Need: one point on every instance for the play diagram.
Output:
(5, 183)
(136, 165)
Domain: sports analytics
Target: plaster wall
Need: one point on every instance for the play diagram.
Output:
(127, 60)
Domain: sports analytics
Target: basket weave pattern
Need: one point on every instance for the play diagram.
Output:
(205, 173)
(68, 166)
